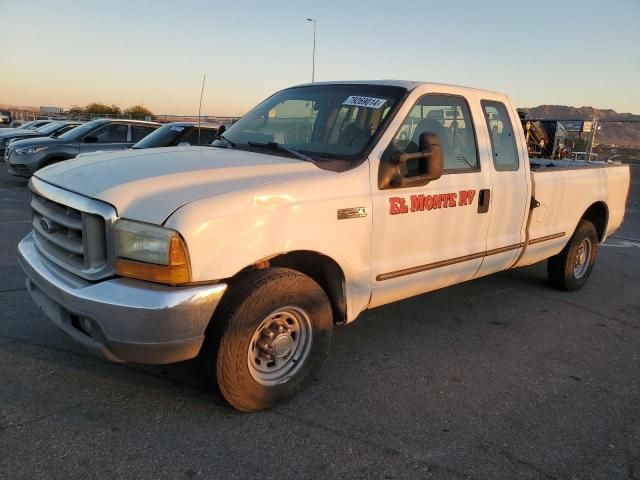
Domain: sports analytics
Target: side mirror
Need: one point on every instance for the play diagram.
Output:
(90, 139)
(430, 162)
(221, 130)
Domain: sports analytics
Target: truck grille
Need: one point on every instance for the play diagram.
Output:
(73, 238)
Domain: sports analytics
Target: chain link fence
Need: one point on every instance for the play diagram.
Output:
(22, 116)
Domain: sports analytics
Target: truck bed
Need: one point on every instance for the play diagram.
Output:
(564, 190)
(540, 164)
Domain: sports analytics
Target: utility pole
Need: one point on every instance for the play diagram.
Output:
(592, 138)
(313, 57)
(204, 78)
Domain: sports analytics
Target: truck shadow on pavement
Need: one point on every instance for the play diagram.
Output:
(398, 323)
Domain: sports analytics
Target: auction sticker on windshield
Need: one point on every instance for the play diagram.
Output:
(368, 102)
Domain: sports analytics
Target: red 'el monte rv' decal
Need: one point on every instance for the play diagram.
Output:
(419, 203)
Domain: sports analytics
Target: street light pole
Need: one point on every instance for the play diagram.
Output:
(313, 59)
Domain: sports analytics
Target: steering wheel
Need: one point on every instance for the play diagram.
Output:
(364, 137)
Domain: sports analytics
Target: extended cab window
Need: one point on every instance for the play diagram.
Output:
(503, 143)
(112, 133)
(449, 118)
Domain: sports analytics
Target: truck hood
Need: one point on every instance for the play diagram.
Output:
(148, 185)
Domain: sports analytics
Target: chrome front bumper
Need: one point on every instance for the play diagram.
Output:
(121, 319)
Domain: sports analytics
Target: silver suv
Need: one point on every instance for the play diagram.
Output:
(24, 157)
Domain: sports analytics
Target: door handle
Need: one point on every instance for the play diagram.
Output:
(484, 200)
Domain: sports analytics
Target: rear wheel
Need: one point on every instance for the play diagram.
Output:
(270, 337)
(570, 269)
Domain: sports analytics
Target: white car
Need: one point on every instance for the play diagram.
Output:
(325, 200)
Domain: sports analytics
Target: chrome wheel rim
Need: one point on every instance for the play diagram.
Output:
(280, 346)
(582, 258)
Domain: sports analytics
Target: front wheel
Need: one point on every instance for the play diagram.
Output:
(570, 269)
(270, 337)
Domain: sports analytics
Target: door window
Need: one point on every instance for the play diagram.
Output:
(112, 133)
(449, 118)
(503, 142)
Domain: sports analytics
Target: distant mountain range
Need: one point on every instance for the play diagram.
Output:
(620, 133)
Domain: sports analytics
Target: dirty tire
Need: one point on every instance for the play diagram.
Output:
(563, 269)
(250, 300)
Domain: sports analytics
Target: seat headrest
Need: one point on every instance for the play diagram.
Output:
(428, 125)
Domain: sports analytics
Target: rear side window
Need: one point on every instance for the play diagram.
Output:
(503, 142)
(206, 136)
(138, 132)
(112, 133)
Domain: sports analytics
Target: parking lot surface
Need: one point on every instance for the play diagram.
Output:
(499, 378)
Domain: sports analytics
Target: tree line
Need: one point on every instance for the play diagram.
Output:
(98, 108)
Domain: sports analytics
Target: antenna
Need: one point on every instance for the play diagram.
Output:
(313, 56)
(200, 106)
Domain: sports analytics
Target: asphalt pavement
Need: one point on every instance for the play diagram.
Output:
(499, 378)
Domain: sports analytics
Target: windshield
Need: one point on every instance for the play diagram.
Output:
(165, 136)
(77, 133)
(32, 125)
(49, 128)
(38, 124)
(334, 121)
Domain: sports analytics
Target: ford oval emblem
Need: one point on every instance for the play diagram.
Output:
(46, 225)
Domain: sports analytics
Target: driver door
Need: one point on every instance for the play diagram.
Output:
(429, 236)
(112, 136)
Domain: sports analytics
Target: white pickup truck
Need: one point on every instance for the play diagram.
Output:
(323, 201)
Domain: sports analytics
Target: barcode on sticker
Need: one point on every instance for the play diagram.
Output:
(368, 102)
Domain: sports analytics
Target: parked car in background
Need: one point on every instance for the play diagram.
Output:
(26, 126)
(180, 133)
(5, 117)
(32, 125)
(53, 129)
(24, 157)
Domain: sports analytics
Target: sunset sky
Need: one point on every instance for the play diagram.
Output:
(155, 52)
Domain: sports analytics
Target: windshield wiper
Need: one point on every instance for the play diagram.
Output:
(277, 146)
(227, 141)
(462, 159)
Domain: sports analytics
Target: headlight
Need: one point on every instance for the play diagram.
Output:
(150, 252)
(30, 150)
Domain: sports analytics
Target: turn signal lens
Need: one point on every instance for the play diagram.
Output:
(178, 252)
(172, 275)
